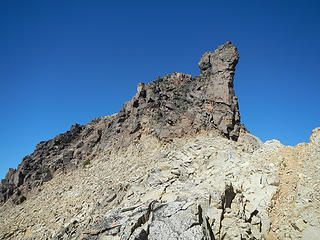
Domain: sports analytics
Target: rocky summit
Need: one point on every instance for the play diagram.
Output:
(174, 163)
(169, 107)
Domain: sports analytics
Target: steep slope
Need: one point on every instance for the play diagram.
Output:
(169, 107)
(174, 163)
(196, 187)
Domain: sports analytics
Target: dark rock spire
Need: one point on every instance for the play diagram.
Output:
(172, 106)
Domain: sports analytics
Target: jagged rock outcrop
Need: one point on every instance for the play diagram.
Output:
(63, 152)
(171, 106)
(174, 163)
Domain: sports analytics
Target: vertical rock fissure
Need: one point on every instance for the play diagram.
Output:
(206, 228)
(226, 201)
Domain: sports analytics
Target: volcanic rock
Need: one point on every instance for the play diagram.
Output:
(174, 163)
(171, 106)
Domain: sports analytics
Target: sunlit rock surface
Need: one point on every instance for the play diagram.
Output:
(174, 163)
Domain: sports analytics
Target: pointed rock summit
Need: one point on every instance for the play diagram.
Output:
(174, 163)
(179, 104)
(218, 68)
(171, 106)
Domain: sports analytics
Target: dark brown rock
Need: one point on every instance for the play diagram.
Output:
(171, 106)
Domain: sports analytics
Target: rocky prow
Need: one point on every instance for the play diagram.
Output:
(223, 59)
(178, 104)
(172, 106)
(218, 68)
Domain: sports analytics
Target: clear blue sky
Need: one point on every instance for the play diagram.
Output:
(63, 62)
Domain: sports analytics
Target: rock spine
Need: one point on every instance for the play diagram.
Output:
(171, 106)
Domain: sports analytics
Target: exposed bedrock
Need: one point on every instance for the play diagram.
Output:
(169, 107)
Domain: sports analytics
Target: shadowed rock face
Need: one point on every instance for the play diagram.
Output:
(171, 106)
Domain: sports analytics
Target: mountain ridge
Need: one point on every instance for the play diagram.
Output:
(174, 163)
(170, 106)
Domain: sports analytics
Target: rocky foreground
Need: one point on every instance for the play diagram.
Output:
(174, 163)
(199, 187)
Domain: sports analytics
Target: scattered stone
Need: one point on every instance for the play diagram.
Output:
(174, 163)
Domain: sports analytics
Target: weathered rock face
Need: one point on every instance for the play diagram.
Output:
(170, 107)
(178, 104)
(219, 68)
(167, 167)
(51, 157)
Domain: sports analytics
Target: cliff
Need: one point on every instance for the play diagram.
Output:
(172, 106)
(174, 163)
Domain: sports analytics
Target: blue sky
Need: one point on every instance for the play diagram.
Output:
(63, 62)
